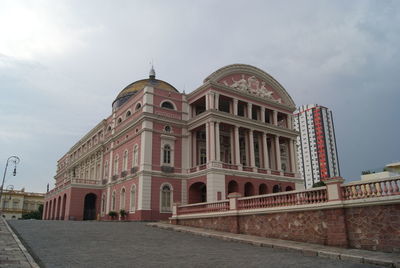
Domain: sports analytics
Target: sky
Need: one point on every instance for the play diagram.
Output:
(62, 63)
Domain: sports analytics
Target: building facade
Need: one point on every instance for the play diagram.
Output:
(159, 146)
(14, 203)
(316, 146)
(391, 170)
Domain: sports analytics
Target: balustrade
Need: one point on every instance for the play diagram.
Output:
(204, 207)
(377, 188)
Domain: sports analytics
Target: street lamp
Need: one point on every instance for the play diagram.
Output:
(9, 189)
(14, 160)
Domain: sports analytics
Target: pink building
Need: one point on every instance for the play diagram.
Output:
(159, 146)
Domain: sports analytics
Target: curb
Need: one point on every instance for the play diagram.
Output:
(28, 256)
(351, 255)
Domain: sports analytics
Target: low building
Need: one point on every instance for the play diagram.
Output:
(234, 133)
(14, 203)
(389, 171)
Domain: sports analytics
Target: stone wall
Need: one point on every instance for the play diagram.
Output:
(374, 228)
(369, 227)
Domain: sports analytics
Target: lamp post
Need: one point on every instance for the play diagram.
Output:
(9, 188)
(14, 160)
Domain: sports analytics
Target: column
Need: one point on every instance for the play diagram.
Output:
(251, 147)
(212, 141)
(207, 101)
(194, 149)
(249, 108)
(237, 147)
(207, 142)
(190, 149)
(293, 165)
(235, 106)
(247, 147)
(290, 121)
(263, 114)
(278, 154)
(275, 117)
(216, 101)
(232, 144)
(217, 142)
(265, 150)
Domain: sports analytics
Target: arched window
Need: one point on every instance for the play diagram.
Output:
(113, 201)
(122, 199)
(138, 106)
(116, 165)
(135, 161)
(166, 198)
(128, 113)
(167, 154)
(125, 163)
(119, 120)
(133, 198)
(167, 105)
(109, 128)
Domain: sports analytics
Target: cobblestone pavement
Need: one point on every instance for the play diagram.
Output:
(133, 244)
(11, 254)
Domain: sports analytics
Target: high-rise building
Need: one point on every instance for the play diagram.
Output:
(316, 146)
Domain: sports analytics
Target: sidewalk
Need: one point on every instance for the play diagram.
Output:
(353, 255)
(12, 252)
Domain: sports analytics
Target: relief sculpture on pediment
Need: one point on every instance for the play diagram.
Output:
(251, 85)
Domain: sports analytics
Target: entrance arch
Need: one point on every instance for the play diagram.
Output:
(289, 188)
(262, 189)
(198, 193)
(248, 189)
(233, 187)
(277, 188)
(89, 211)
(64, 203)
(58, 208)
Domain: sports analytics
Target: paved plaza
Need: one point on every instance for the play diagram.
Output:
(133, 244)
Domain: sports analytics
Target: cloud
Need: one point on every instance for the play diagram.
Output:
(63, 63)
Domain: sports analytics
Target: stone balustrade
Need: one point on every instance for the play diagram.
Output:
(343, 215)
(204, 207)
(369, 189)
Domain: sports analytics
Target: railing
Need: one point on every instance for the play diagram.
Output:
(368, 189)
(204, 207)
(313, 196)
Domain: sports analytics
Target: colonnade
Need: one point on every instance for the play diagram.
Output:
(269, 155)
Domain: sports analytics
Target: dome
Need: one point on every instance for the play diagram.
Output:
(135, 87)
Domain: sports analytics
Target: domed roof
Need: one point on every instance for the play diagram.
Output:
(135, 87)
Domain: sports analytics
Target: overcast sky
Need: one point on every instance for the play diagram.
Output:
(62, 63)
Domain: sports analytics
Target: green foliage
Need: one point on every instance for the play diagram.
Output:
(123, 213)
(318, 184)
(37, 214)
(113, 214)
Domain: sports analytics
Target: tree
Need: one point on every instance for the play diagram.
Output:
(37, 214)
(318, 184)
